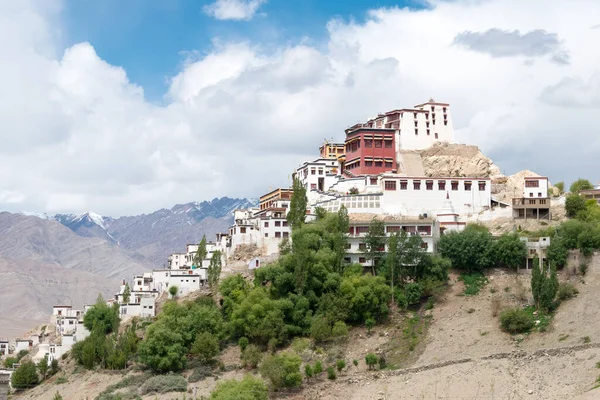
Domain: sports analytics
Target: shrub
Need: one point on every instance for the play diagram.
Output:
(320, 329)
(308, 371)
(206, 347)
(282, 370)
(164, 384)
(10, 361)
(566, 291)
(381, 362)
(583, 268)
(401, 299)
(199, 374)
(318, 368)
(25, 376)
(331, 373)
(101, 317)
(516, 320)
(355, 362)
(339, 330)
(162, 349)
(340, 365)
(173, 290)
(60, 380)
(243, 343)
(496, 306)
(57, 396)
(248, 388)
(473, 283)
(369, 324)
(414, 292)
(371, 360)
(251, 356)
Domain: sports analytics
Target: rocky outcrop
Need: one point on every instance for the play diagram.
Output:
(451, 159)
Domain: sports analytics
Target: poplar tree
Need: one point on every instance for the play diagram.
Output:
(297, 212)
(200, 253)
(375, 242)
(214, 270)
(126, 294)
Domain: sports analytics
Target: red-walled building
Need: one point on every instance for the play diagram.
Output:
(370, 151)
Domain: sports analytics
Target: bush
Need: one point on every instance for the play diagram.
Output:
(243, 343)
(206, 347)
(57, 396)
(162, 349)
(318, 368)
(339, 330)
(331, 373)
(199, 374)
(371, 360)
(401, 299)
(101, 317)
(516, 320)
(413, 292)
(282, 370)
(60, 380)
(473, 283)
(566, 291)
(164, 384)
(252, 356)
(320, 330)
(308, 371)
(583, 268)
(25, 376)
(248, 388)
(382, 362)
(369, 324)
(340, 365)
(10, 361)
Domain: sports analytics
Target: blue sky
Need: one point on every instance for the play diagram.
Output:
(149, 38)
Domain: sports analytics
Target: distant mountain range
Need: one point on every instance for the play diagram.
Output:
(69, 258)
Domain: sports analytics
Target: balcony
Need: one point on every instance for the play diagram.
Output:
(524, 203)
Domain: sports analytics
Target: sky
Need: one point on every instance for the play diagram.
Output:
(124, 107)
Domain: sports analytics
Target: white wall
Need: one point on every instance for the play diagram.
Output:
(537, 192)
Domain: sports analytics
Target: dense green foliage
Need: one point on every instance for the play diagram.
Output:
(560, 186)
(25, 376)
(110, 352)
(566, 291)
(248, 388)
(375, 241)
(580, 184)
(164, 384)
(214, 270)
(282, 370)
(200, 253)
(558, 252)
(101, 317)
(516, 320)
(371, 360)
(297, 212)
(43, 367)
(510, 251)
(10, 361)
(469, 250)
(544, 285)
(206, 347)
(574, 203)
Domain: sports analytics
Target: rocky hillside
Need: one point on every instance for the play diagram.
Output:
(451, 159)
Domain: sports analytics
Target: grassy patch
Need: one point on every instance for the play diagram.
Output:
(61, 380)
(474, 282)
(563, 337)
(516, 320)
(543, 318)
(402, 347)
(127, 388)
(164, 384)
(586, 339)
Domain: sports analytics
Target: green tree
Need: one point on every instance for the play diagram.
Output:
(297, 211)
(162, 350)
(10, 361)
(126, 294)
(206, 347)
(318, 368)
(589, 240)
(469, 250)
(214, 270)
(200, 253)
(375, 240)
(252, 356)
(308, 371)
(54, 367)
(369, 324)
(560, 186)
(248, 388)
(331, 373)
(102, 317)
(557, 252)
(544, 285)
(282, 370)
(25, 376)
(510, 251)
(320, 329)
(580, 184)
(574, 203)
(371, 360)
(340, 365)
(366, 297)
(173, 290)
(43, 367)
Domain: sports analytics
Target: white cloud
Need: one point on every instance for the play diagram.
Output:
(233, 9)
(78, 135)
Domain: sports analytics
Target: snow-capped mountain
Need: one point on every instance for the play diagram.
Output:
(152, 237)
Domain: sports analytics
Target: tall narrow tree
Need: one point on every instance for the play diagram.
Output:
(200, 253)
(375, 242)
(391, 259)
(297, 211)
(214, 270)
(126, 293)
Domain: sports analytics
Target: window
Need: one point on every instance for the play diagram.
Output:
(266, 224)
(243, 229)
(320, 172)
(539, 194)
(429, 185)
(388, 164)
(347, 260)
(373, 181)
(285, 223)
(441, 185)
(362, 260)
(468, 185)
(415, 115)
(426, 230)
(388, 144)
(403, 185)
(532, 201)
(428, 133)
(390, 185)
(481, 186)
(286, 234)
(313, 186)
(424, 246)
(417, 185)
(347, 246)
(445, 122)
(378, 164)
(530, 194)
(277, 223)
(542, 201)
(369, 143)
(362, 246)
(416, 131)
(313, 171)
(532, 184)
(266, 234)
(436, 135)
(277, 234)
(351, 230)
(362, 229)
(378, 144)
(391, 229)
(368, 163)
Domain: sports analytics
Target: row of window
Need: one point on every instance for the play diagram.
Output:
(377, 164)
(539, 194)
(278, 234)
(277, 223)
(368, 143)
(532, 184)
(421, 229)
(392, 185)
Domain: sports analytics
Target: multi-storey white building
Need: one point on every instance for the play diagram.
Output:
(535, 203)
